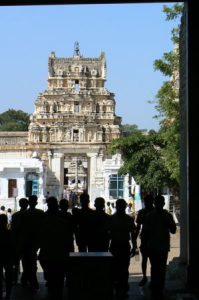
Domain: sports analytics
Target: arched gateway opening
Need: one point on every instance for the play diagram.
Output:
(189, 153)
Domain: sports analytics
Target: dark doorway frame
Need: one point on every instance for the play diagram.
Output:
(190, 168)
(12, 184)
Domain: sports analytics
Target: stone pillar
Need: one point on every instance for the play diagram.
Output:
(50, 154)
(192, 150)
(92, 167)
(58, 170)
(21, 187)
(41, 185)
(183, 145)
(106, 186)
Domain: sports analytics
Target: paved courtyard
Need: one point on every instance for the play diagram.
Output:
(135, 292)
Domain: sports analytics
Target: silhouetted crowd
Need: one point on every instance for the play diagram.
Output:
(52, 235)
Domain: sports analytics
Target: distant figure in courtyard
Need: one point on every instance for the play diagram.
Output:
(73, 199)
(45, 200)
(141, 217)
(64, 193)
(157, 227)
(109, 209)
(129, 210)
(122, 241)
(47, 196)
(113, 209)
(9, 216)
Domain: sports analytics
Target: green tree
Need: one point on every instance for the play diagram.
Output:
(14, 120)
(153, 158)
(128, 129)
(142, 159)
(167, 101)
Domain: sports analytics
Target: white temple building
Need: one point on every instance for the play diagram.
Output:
(65, 147)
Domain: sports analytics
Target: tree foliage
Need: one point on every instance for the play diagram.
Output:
(172, 13)
(167, 100)
(168, 63)
(128, 129)
(14, 120)
(142, 159)
(153, 158)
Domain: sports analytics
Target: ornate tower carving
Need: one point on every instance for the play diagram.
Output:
(76, 107)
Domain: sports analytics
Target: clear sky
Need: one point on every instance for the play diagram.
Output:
(131, 35)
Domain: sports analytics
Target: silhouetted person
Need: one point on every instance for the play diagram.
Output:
(156, 230)
(129, 210)
(73, 199)
(113, 209)
(9, 216)
(109, 209)
(83, 218)
(100, 234)
(32, 223)
(55, 248)
(141, 216)
(3, 210)
(69, 224)
(68, 219)
(123, 239)
(17, 229)
(64, 193)
(45, 200)
(7, 257)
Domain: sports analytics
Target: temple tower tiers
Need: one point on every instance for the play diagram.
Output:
(73, 122)
(76, 107)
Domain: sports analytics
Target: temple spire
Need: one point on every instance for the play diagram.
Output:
(76, 49)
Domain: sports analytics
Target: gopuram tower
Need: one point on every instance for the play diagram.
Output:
(73, 122)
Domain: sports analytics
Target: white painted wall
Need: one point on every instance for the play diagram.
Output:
(17, 169)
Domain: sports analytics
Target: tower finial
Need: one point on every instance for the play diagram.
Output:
(76, 49)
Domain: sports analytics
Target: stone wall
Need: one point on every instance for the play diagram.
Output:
(13, 138)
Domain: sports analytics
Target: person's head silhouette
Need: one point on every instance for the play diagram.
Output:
(148, 201)
(84, 200)
(159, 202)
(121, 206)
(64, 204)
(23, 203)
(99, 203)
(52, 204)
(32, 200)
